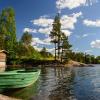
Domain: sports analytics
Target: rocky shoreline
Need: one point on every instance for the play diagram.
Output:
(72, 63)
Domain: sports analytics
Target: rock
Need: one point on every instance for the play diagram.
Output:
(72, 63)
(3, 97)
(90, 65)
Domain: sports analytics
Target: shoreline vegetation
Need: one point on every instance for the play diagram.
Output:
(48, 63)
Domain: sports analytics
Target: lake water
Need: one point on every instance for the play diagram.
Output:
(79, 83)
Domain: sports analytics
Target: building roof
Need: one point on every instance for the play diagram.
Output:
(3, 51)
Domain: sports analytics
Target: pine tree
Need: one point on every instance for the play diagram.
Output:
(56, 34)
(26, 39)
(65, 46)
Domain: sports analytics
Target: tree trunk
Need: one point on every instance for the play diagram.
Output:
(62, 55)
(58, 49)
(55, 52)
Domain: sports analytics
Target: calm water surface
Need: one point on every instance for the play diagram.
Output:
(62, 84)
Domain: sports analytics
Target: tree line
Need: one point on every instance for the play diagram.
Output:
(22, 48)
(63, 51)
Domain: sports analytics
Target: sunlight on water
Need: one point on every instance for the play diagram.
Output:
(63, 84)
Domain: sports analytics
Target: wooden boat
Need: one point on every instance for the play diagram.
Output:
(18, 78)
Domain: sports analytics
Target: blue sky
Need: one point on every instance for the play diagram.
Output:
(80, 21)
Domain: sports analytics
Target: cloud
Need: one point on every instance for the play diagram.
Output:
(38, 48)
(48, 49)
(71, 4)
(95, 44)
(82, 36)
(76, 50)
(51, 50)
(45, 30)
(91, 23)
(30, 30)
(43, 22)
(47, 40)
(44, 26)
(67, 32)
(36, 41)
(89, 51)
(68, 22)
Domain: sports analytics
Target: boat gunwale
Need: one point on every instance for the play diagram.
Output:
(16, 72)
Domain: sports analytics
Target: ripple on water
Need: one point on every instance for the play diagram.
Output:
(81, 83)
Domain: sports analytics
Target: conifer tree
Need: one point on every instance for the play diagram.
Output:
(56, 35)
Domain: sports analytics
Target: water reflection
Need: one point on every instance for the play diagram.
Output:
(64, 88)
(56, 84)
(62, 84)
(22, 93)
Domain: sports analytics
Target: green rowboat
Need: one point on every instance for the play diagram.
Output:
(18, 78)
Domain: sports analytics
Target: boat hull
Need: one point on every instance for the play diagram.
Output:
(18, 79)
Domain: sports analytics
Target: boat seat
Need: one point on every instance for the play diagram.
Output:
(26, 71)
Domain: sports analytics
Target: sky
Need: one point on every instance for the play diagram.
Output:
(80, 21)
